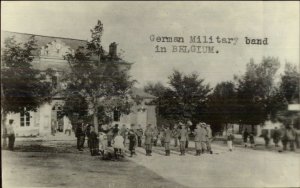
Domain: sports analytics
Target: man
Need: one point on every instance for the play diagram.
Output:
(167, 139)
(93, 141)
(80, 134)
(290, 136)
(183, 136)
(110, 135)
(155, 136)
(198, 132)
(149, 132)
(203, 137)
(276, 136)
(123, 133)
(175, 134)
(132, 141)
(139, 132)
(245, 136)
(53, 127)
(208, 138)
(11, 135)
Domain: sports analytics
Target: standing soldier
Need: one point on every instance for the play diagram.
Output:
(167, 139)
(53, 127)
(139, 133)
(175, 134)
(198, 132)
(148, 139)
(155, 136)
(80, 134)
(110, 135)
(208, 138)
(132, 141)
(183, 136)
(11, 135)
(94, 142)
(123, 133)
(276, 136)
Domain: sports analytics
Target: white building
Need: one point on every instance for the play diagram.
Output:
(50, 55)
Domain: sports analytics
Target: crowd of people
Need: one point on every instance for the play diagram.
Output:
(286, 135)
(112, 140)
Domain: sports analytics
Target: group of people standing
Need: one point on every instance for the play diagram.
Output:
(202, 137)
(287, 135)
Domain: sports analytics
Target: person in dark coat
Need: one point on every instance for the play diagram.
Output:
(167, 139)
(139, 132)
(132, 141)
(149, 132)
(88, 134)
(94, 141)
(276, 136)
(80, 134)
(245, 136)
(115, 130)
(110, 136)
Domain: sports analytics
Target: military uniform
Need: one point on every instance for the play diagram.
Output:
(167, 139)
(183, 134)
(80, 134)
(198, 139)
(132, 142)
(148, 140)
(208, 138)
(139, 133)
(175, 134)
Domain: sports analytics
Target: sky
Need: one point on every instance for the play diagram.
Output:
(130, 25)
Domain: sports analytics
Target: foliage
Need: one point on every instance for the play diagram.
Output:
(256, 92)
(104, 85)
(22, 86)
(222, 106)
(290, 83)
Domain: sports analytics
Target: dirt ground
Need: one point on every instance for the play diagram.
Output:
(57, 164)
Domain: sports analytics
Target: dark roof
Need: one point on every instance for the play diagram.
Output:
(42, 40)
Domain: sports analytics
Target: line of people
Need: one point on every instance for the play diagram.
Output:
(116, 138)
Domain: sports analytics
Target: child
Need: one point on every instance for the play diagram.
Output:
(132, 142)
(118, 145)
(230, 139)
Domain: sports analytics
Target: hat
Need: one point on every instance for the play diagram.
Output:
(180, 123)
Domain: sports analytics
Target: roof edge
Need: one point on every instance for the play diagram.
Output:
(43, 35)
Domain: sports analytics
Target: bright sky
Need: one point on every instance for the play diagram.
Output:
(130, 24)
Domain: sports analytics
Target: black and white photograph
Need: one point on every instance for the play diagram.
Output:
(150, 94)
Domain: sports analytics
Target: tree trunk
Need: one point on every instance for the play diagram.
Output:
(3, 130)
(95, 117)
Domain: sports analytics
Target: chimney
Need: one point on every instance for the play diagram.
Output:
(113, 50)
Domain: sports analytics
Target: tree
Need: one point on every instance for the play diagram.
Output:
(23, 88)
(222, 106)
(290, 83)
(184, 99)
(103, 84)
(257, 93)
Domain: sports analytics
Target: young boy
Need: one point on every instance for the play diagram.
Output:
(230, 139)
(251, 138)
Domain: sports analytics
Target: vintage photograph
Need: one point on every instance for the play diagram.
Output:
(128, 94)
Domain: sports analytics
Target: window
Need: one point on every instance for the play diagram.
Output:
(54, 81)
(25, 119)
(116, 115)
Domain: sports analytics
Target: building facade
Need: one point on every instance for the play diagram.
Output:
(50, 54)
